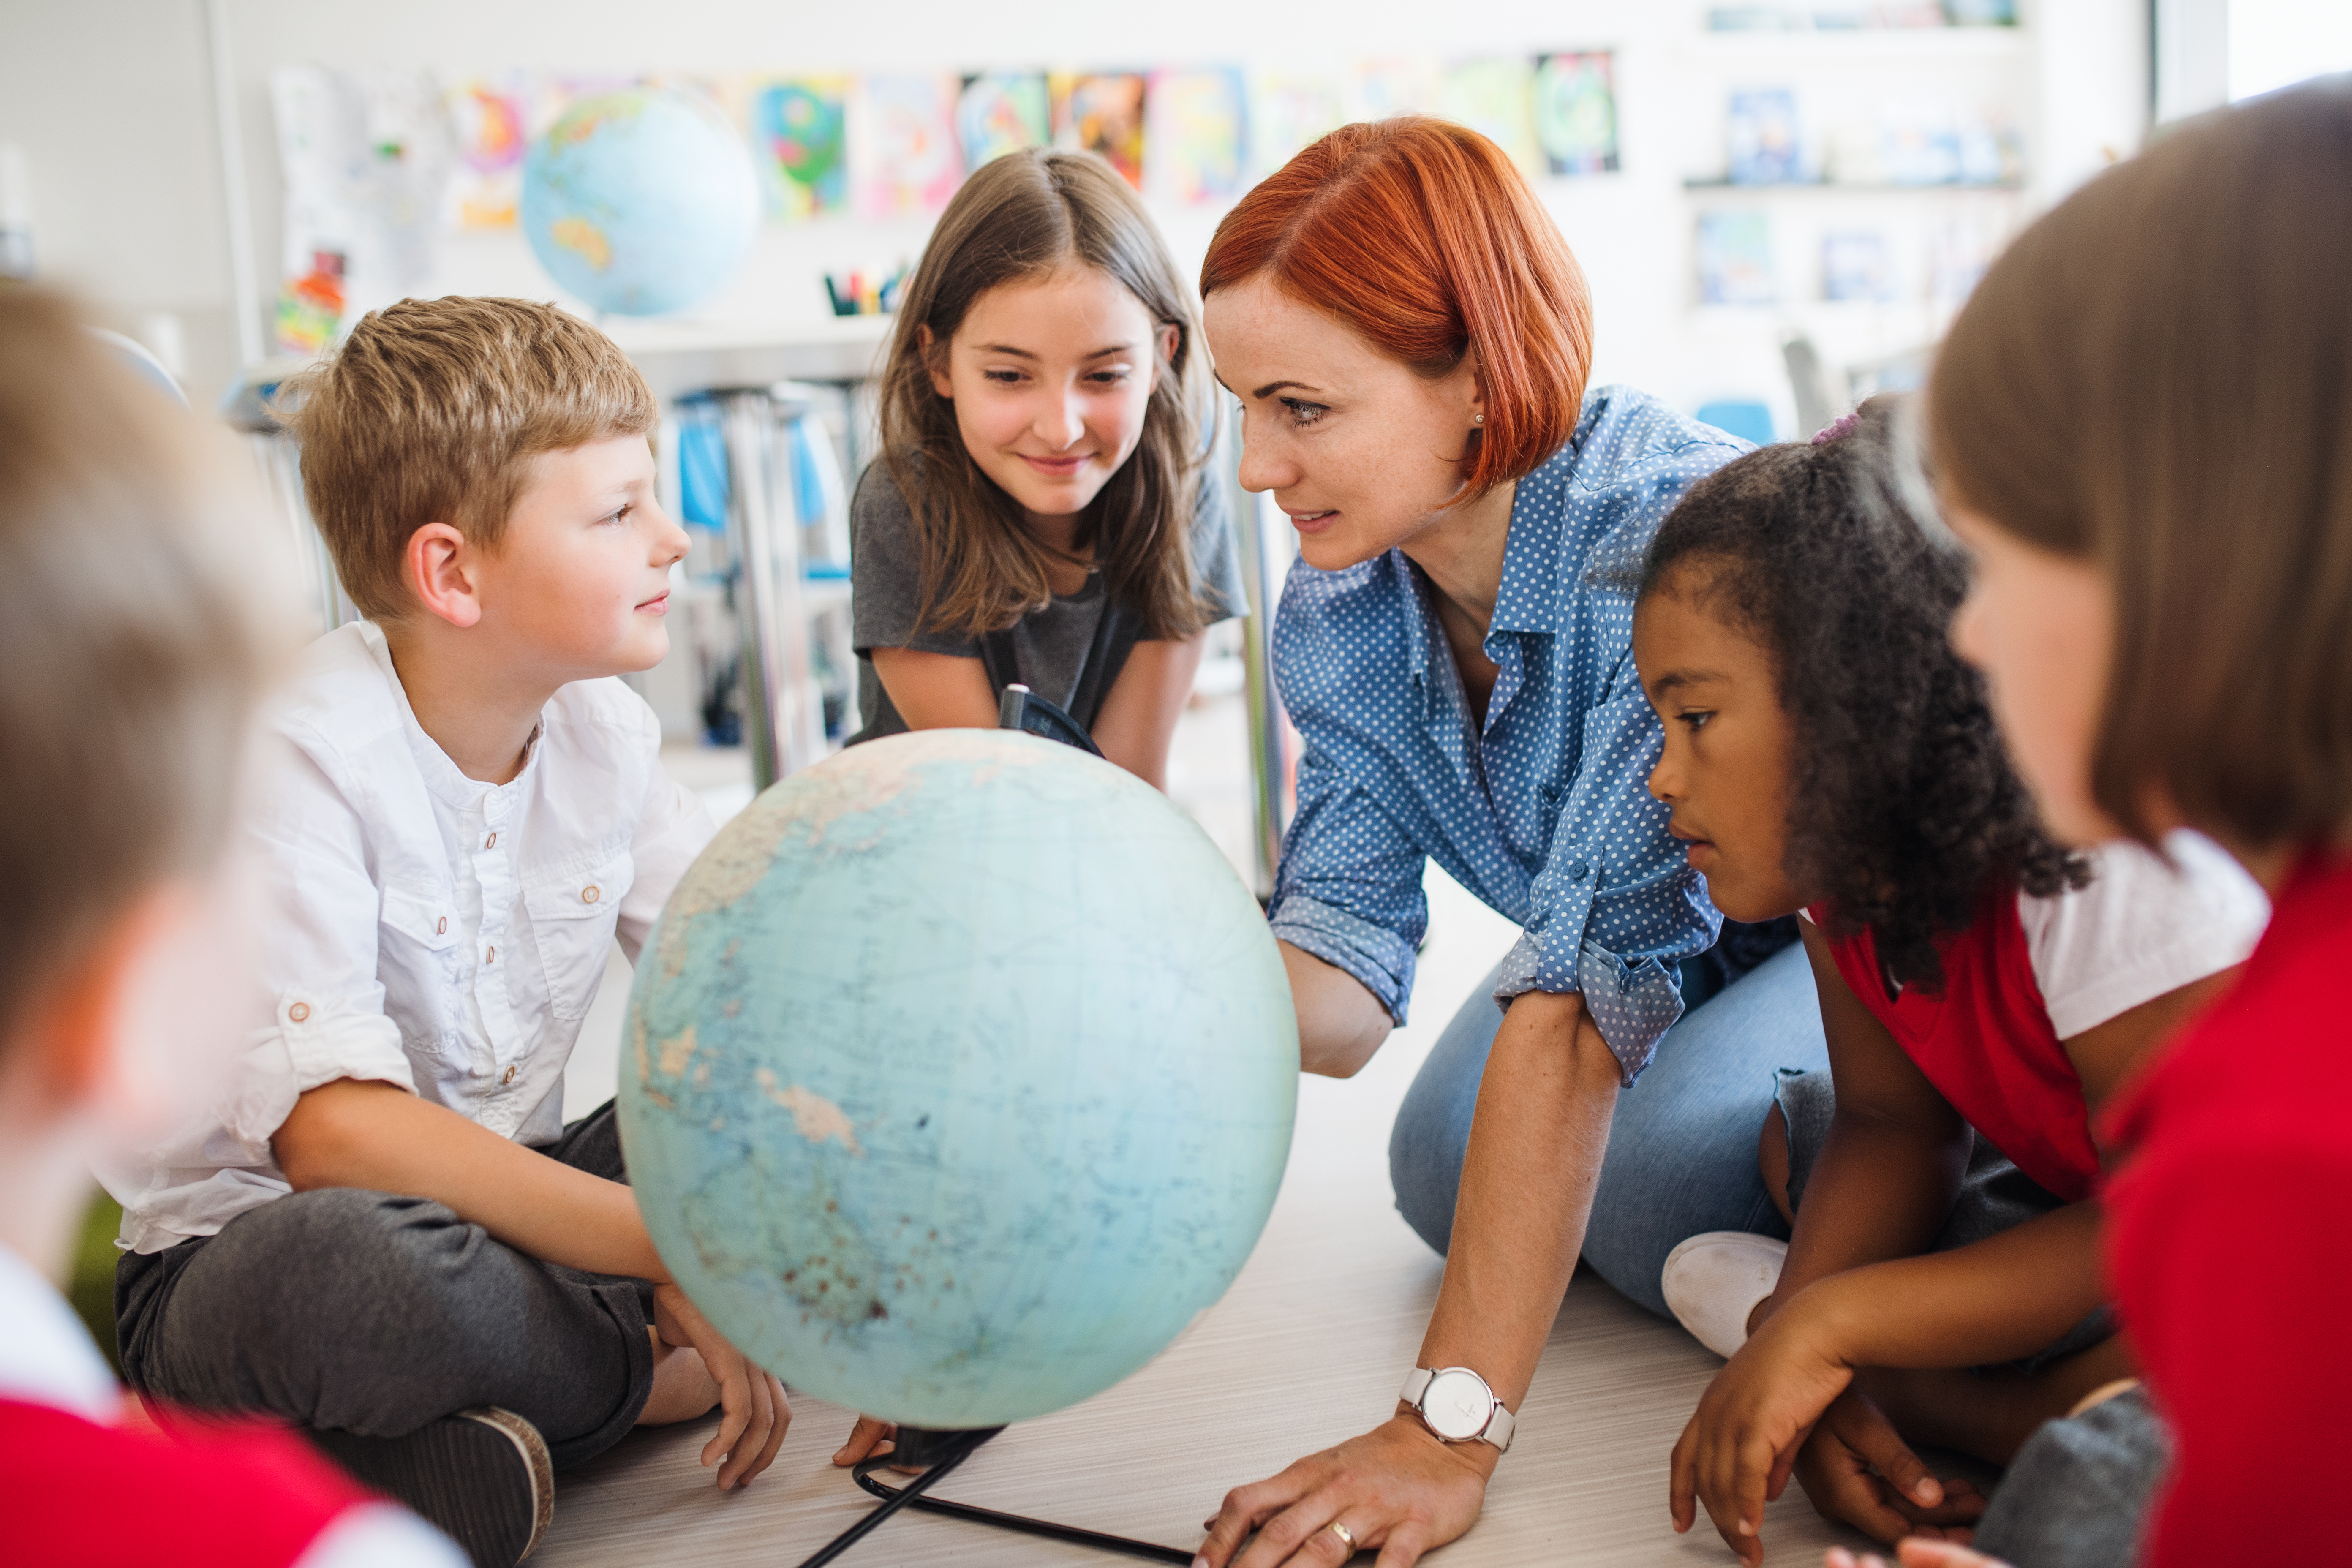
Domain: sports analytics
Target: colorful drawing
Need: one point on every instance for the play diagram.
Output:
(1200, 122)
(1001, 113)
(1291, 114)
(1576, 112)
(904, 149)
(1496, 98)
(1735, 260)
(1103, 113)
(1378, 89)
(799, 143)
(1761, 133)
(491, 116)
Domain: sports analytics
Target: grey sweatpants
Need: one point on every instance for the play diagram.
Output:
(374, 1313)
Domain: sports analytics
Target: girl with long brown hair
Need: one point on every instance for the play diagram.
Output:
(1042, 511)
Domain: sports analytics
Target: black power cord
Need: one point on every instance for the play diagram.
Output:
(942, 1452)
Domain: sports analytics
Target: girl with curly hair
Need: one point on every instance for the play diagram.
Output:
(1980, 988)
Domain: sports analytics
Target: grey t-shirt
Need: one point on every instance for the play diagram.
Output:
(1046, 651)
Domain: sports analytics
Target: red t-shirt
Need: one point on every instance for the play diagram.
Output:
(201, 1497)
(1986, 1042)
(2227, 1244)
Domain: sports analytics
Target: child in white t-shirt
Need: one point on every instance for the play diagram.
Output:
(386, 1234)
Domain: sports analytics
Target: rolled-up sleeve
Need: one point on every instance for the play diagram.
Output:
(1615, 908)
(318, 955)
(1349, 891)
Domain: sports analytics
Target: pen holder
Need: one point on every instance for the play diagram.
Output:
(863, 293)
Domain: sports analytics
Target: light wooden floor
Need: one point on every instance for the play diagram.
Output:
(1306, 1349)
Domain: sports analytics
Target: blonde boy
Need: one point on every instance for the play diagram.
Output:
(388, 1235)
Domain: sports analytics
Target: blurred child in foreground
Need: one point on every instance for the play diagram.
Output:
(130, 658)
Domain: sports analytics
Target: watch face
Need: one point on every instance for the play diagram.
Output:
(1457, 1404)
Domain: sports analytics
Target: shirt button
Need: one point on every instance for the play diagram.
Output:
(509, 1075)
(1577, 870)
(300, 1012)
(441, 926)
(493, 958)
(590, 895)
(491, 843)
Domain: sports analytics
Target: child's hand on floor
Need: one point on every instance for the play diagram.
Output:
(1917, 1552)
(871, 1434)
(1742, 1442)
(754, 1414)
(1857, 1470)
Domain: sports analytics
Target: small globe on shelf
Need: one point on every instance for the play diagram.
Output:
(959, 1078)
(640, 201)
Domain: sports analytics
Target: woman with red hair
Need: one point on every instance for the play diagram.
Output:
(1408, 338)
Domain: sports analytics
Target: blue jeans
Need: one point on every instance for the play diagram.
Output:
(1682, 1144)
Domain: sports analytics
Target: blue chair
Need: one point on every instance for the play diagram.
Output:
(1744, 418)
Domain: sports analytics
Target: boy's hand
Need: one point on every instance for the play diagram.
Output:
(1857, 1470)
(1736, 1454)
(754, 1414)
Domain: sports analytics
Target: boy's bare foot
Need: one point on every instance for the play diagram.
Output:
(683, 1387)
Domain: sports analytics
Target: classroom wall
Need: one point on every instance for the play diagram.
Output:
(110, 100)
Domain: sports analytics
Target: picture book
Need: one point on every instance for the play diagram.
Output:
(1735, 260)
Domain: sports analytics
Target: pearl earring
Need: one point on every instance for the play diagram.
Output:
(1477, 419)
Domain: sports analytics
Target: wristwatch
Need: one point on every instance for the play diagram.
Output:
(1457, 1407)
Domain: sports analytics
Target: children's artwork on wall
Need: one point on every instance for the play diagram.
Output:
(1378, 89)
(1200, 134)
(799, 143)
(1001, 113)
(1103, 113)
(1576, 112)
(1855, 266)
(367, 157)
(903, 145)
(558, 92)
(1497, 98)
(1735, 260)
(1761, 133)
(1290, 113)
(491, 117)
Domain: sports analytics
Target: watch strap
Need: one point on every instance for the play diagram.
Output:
(1500, 1424)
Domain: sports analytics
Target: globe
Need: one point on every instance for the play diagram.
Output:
(959, 1078)
(640, 201)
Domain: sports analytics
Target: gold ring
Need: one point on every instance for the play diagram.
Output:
(1347, 1536)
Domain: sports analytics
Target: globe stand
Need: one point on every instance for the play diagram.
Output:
(942, 1452)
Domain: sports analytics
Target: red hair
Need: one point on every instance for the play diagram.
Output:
(1421, 237)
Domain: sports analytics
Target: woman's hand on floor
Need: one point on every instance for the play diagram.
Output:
(1737, 1453)
(1857, 1470)
(753, 1413)
(1396, 1488)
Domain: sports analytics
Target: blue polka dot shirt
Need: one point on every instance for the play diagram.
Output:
(1545, 815)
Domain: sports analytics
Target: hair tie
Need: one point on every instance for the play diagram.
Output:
(1843, 426)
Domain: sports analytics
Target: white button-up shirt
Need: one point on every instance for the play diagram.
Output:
(428, 929)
